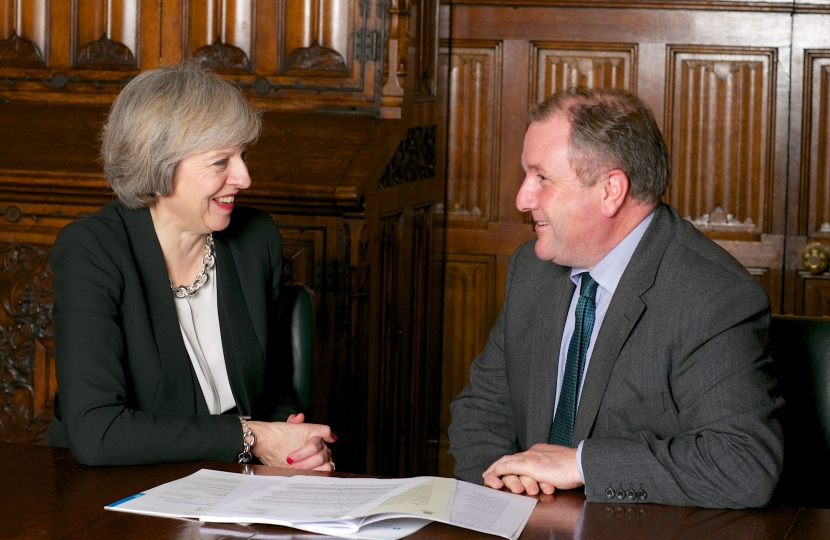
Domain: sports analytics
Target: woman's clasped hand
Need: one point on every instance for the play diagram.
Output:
(294, 444)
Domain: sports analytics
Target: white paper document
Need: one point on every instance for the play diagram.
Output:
(370, 508)
(191, 496)
(313, 499)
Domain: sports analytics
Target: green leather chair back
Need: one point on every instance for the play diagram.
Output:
(801, 348)
(298, 313)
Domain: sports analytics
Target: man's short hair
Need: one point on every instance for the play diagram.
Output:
(163, 116)
(611, 129)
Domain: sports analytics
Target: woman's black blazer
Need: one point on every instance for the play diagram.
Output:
(126, 386)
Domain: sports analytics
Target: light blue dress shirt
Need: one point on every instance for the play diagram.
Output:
(607, 274)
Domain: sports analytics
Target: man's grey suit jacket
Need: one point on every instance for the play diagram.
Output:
(677, 401)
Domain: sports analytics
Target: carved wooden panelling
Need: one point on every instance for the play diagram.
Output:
(416, 383)
(719, 126)
(316, 35)
(298, 260)
(816, 144)
(414, 159)
(391, 363)
(352, 403)
(27, 376)
(304, 255)
(469, 314)
(421, 266)
(558, 66)
(813, 294)
(220, 33)
(473, 129)
(106, 34)
(426, 37)
(24, 33)
(397, 43)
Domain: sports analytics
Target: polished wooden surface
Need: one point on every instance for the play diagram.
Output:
(301, 56)
(54, 497)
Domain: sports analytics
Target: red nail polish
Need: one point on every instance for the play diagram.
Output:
(334, 437)
(289, 460)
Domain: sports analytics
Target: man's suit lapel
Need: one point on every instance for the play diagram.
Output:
(554, 297)
(244, 357)
(623, 313)
(173, 393)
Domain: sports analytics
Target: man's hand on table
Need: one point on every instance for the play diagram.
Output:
(543, 467)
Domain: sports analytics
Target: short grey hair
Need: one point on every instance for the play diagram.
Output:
(611, 129)
(163, 116)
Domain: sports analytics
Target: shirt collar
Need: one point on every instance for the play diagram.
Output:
(608, 271)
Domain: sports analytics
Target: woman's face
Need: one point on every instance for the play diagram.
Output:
(204, 187)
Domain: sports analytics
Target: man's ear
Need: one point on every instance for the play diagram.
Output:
(615, 190)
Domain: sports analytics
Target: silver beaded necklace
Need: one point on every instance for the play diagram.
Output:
(208, 260)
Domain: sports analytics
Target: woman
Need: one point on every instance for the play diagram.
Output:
(166, 299)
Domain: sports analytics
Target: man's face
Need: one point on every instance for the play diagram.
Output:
(567, 214)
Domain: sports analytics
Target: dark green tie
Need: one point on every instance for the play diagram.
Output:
(562, 429)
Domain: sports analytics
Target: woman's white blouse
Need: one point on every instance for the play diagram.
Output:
(199, 321)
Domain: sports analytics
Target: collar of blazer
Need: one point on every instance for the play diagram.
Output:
(553, 293)
(244, 356)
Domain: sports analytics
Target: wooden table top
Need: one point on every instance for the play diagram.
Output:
(45, 493)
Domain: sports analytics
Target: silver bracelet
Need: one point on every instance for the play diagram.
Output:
(248, 441)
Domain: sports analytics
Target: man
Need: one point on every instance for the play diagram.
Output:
(631, 352)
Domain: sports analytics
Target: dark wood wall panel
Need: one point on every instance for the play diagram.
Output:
(419, 383)
(27, 367)
(221, 33)
(27, 376)
(24, 32)
(813, 295)
(816, 143)
(403, 413)
(312, 54)
(474, 109)
(354, 341)
(719, 127)
(317, 35)
(106, 34)
(304, 253)
(425, 63)
(558, 66)
(391, 362)
(469, 313)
